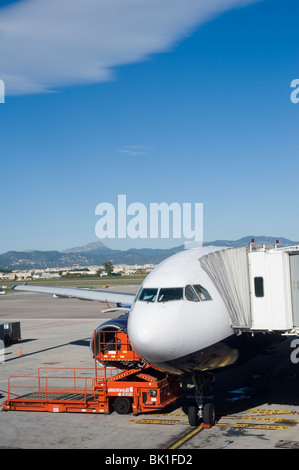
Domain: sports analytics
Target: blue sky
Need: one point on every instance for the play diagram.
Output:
(200, 111)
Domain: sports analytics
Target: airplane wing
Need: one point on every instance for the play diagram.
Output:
(82, 294)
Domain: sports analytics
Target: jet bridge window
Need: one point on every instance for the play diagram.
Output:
(259, 286)
(148, 295)
(202, 292)
(173, 293)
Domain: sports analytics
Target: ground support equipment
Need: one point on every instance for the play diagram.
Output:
(138, 389)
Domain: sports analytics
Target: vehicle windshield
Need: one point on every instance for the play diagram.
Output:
(148, 295)
(173, 293)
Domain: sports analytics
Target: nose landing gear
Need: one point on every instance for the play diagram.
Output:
(203, 408)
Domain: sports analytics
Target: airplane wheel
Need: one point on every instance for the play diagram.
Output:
(122, 405)
(208, 414)
(193, 415)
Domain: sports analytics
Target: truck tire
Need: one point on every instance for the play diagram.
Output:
(122, 405)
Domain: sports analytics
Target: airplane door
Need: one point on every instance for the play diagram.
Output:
(294, 272)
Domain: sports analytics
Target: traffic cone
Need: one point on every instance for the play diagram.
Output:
(20, 351)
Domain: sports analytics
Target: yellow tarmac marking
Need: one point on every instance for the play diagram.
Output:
(260, 426)
(230, 417)
(273, 412)
(152, 421)
(261, 418)
(187, 437)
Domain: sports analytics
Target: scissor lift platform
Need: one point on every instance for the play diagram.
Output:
(138, 389)
(58, 390)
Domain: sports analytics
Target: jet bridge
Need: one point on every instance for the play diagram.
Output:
(259, 285)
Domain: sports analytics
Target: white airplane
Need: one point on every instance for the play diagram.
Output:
(179, 323)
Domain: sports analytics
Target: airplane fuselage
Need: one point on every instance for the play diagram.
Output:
(179, 321)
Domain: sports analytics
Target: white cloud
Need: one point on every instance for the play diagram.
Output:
(135, 150)
(52, 43)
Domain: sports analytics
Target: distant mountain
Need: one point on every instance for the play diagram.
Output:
(96, 253)
(40, 260)
(93, 247)
(258, 240)
(24, 260)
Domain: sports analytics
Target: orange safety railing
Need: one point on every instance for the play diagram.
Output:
(114, 346)
(47, 385)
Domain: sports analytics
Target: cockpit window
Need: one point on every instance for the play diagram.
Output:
(193, 293)
(173, 293)
(202, 293)
(190, 294)
(148, 295)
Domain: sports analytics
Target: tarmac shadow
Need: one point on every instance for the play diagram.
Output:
(266, 379)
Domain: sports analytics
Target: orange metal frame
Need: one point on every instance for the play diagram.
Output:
(119, 350)
(147, 388)
(77, 392)
(140, 385)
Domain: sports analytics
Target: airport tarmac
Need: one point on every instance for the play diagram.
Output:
(257, 404)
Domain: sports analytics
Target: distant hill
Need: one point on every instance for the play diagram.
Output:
(24, 260)
(96, 253)
(93, 248)
(258, 240)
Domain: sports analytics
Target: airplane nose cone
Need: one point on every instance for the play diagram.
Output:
(149, 333)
